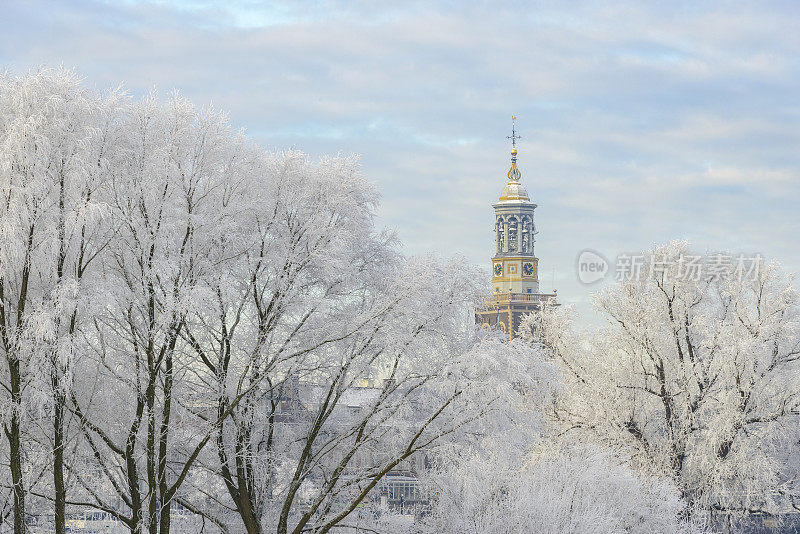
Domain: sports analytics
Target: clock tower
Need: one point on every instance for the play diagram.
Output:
(515, 268)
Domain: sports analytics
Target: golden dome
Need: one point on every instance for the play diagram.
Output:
(514, 191)
(513, 151)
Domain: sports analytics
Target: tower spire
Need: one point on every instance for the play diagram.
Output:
(513, 135)
(513, 174)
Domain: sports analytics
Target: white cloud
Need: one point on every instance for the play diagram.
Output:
(641, 122)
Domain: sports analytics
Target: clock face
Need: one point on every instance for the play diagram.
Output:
(527, 268)
(498, 269)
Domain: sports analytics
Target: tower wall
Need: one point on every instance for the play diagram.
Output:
(515, 268)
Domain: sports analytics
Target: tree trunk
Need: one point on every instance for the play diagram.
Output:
(162, 448)
(152, 485)
(137, 506)
(16, 476)
(59, 397)
(15, 446)
(246, 509)
(58, 463)
(252, 524)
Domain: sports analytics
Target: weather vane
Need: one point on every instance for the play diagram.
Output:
(513, 135)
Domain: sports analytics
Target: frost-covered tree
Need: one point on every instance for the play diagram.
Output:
(309, 255)
(318, 304)
(174, 196)
(55, 141)
(414, 336)
(513, 473)
(698, 376)
(554, 488)
(220, 306)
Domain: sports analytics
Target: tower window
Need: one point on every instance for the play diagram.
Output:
(500, 231)
(526, 234)
(512, 234)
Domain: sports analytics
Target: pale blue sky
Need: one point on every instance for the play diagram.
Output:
(641, 122)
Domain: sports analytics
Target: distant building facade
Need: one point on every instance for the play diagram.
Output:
(515, 267)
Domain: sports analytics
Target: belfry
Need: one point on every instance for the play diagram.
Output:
(515, 268)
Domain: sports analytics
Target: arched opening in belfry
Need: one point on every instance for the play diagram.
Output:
(527, 235)
(513, 230)
(499, 231)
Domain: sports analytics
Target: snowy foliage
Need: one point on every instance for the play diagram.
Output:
(515, 476)
(555, 489)
(698, 379)
(189, 322)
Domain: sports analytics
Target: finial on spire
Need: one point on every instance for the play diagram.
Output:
(513, 173)
(513, 135)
